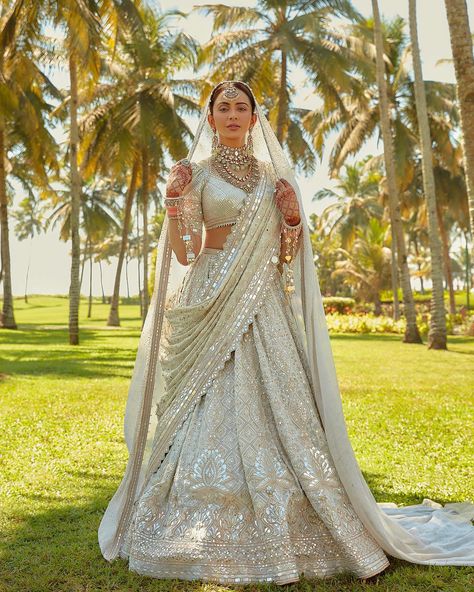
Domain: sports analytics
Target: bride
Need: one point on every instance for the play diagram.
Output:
(240, 468)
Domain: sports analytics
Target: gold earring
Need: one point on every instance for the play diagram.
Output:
(250, 143)
(215, 142)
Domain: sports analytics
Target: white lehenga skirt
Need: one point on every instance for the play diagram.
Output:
(248, 491)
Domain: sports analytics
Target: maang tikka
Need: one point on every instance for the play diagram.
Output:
(232, 92)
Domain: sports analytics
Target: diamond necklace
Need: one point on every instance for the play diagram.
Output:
(229, 159)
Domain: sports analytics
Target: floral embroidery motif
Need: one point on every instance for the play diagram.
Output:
(209, 474)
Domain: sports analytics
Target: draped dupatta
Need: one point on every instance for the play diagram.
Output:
(200, 337)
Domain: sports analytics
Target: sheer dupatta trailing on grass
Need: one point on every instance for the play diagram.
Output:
(182, 347)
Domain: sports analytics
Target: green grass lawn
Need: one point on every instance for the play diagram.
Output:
(62, 453)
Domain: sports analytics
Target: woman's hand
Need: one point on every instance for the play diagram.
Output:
(287, 201)
(180, 176)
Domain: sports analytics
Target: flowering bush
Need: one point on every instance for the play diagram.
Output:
(338, 304)
(363, 323)
(369, 323)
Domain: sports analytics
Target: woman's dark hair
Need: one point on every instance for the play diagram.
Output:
(240, 85)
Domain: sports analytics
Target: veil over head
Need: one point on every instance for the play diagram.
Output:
(426, 533)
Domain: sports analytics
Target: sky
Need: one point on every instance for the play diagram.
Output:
(49, 258)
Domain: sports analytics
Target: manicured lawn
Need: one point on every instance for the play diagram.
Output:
(408, 409)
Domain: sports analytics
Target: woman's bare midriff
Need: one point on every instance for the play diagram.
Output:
(215, 237)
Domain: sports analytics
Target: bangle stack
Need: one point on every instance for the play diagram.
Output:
(175, 210)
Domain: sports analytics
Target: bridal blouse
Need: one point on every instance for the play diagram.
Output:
(220, 202)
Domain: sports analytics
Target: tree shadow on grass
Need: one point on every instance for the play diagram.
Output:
(47, 353)
(57, 550)
(59, 336)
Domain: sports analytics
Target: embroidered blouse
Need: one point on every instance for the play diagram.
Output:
(211, 201)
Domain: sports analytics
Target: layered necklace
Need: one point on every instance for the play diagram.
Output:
(228, 161)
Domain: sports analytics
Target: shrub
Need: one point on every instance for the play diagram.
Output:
(338, 304)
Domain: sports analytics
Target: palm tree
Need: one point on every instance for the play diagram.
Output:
(98, 218)
(278, 36)
(358, 118)
(357, 201)
(25, 143)
(412, 335)
(437, 336)
(366, 267)
(29, 223)
(462, 48)
(138, 120)
(356, 114)
(82, 41)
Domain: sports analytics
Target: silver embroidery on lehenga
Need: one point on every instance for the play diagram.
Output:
(248, 490)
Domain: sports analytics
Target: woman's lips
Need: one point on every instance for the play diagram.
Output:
(233, 126)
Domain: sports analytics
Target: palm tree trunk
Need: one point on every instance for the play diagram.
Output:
(377, 304)
(418, 262)
(145, 229)
(101, 282)
(89, 310)
(126, 276)
(412, 334)
(114, 319)
(139, 262)
(468, 273)
(74, 288)
(7, 317)
(461, 45)
(283, 99)
(28, 270)
(394, 270)
(437, 336)
(447, 259)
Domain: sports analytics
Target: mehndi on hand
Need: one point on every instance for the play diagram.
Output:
(180, 176)
(287, 201)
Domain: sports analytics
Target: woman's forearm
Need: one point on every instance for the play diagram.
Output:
(177, 243)
(289, 240)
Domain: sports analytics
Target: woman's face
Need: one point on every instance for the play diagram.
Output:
(232, 118)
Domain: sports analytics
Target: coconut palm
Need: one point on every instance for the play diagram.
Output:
(26, 147)
(260, 44)
(366, 267)
(437, 336)
(412, 334)
(98, 218)
(356, 202)
(138, 119)
(356, 115)
(462, 48)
